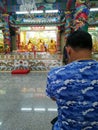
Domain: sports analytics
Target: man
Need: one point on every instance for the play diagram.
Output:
(74, 86)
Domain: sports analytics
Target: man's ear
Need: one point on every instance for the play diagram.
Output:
(69, 53)
(68, 49)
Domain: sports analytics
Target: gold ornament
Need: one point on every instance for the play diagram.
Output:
(80, 1)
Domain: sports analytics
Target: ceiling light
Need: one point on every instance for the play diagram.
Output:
(94, 9)
(21, 12)
(32, 12)
(37, 11)
(51, 11)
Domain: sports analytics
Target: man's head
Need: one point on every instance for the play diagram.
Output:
(79, 45)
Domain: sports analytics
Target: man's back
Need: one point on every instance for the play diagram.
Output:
(75, 87)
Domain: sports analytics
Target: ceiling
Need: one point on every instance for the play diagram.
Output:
(11, 6)
(15, 5)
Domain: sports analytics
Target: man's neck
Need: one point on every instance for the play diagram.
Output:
(82, 55)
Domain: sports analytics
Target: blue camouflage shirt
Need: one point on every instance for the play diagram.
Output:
(75, 88)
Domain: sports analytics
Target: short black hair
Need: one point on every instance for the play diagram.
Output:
(79, 40)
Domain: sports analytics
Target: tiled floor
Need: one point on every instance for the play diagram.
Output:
(23, 102)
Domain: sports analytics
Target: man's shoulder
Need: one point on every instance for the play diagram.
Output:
(74, 65)
(71, 67)
(61, 68)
